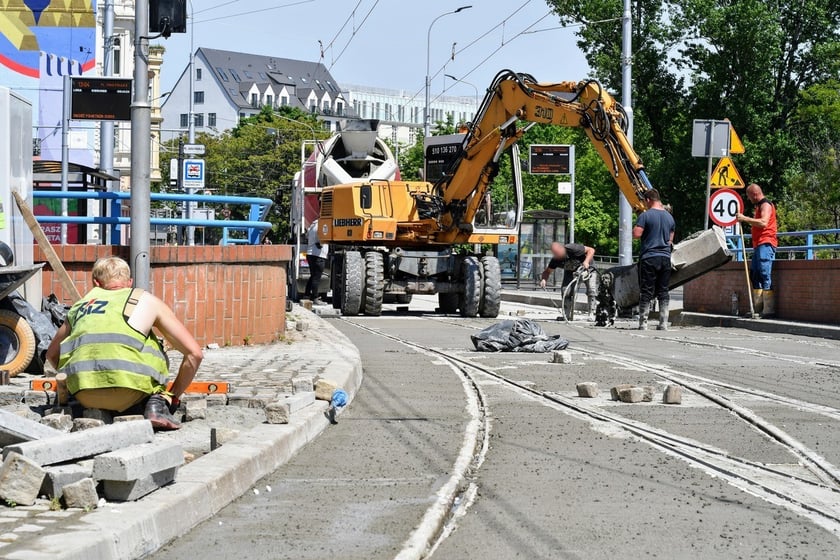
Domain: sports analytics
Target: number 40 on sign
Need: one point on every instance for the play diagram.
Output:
(724, 207)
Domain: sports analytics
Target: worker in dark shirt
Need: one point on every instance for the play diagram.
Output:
(655, 227)
(571, 257)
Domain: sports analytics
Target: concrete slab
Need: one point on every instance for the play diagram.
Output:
(138, 461)
(59, 476)
(77, 445)
(16, 429)
(127, 491)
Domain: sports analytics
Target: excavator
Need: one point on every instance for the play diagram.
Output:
(392, 238)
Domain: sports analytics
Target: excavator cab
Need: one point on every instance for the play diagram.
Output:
(500, 213)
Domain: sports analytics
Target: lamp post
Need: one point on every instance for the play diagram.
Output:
(426, 119)
(451, 77)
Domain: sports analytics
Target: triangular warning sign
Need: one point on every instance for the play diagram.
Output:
(726, 175)
(735, 144)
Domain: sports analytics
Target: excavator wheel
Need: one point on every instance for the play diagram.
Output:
(470, 300)
(374, 283)
(353, 283)
(17, 342)
(491, 294)
(448, 303)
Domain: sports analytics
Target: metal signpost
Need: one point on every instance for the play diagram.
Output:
(709, 139)
(556, 159)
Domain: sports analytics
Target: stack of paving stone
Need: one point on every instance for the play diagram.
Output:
(121, 461)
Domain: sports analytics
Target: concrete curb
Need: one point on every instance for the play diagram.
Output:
(689, 318)
(203, 487)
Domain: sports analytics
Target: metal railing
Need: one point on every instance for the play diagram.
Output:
(808, 248)
(255, 227)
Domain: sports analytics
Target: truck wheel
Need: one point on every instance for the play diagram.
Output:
(448, 303)
(491, 294)
(17, 342)
(470, 300)
(374, 283)
(352, 290)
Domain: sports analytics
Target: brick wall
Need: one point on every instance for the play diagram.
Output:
(805, 290)
(226, 295)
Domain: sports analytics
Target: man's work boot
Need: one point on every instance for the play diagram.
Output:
(644, 311)
(157, 412)
(769, 302)
(663, 316)
(758, 300)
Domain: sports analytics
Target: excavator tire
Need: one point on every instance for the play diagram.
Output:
(448, 303)
(374, 283)
(17, 342)
(353, 290)
(470, 300)
(491, 294)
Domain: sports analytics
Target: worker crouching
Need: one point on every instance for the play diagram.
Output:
(110, 353)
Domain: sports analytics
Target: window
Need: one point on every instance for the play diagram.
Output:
(199, 120)
(235, 76)
(364, 109)
(185, 120)
(242, 116)
(222, 75)
(255, 100)
(339, 109)
(198, 97)
(313, 108)
(198, 74)
(269, 100)
(326, 106)
(326, 126)
(284, 101)
(211, 120)
(117, 66)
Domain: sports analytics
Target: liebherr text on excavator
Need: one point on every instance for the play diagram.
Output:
(391, 238)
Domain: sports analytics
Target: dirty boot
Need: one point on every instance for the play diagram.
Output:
(758, 300)
(663, 316)
(593, 307)
(157, 412)
(769, 305)
(644, 311)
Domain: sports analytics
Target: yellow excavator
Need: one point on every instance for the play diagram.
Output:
(392, 238)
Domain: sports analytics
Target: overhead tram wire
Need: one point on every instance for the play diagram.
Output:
(250, 12)
(222, 5)
(353, 35)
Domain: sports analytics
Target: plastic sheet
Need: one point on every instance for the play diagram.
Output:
(517, 335)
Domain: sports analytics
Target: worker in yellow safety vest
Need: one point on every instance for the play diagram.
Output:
(112, 357)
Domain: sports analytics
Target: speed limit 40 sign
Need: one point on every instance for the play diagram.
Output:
(724, 206)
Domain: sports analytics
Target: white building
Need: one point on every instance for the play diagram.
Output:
(229, 86)
(401, 113)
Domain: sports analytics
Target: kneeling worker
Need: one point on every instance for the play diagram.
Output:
(111, 356)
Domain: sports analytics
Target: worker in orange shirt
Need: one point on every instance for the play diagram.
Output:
(765, 241)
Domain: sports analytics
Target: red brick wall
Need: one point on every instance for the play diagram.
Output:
(225, 295)
(805, 290)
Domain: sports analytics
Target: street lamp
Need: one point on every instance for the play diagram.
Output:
(451, 77)
(426, 119)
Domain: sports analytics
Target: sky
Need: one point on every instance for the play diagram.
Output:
(382, 43)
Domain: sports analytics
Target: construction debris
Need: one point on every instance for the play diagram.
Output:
(60, 422)
(672, 395)
(280, 411)
(132, 472)
(324, 389)
(20, 480)
(81, 494)
(631, 395)
(587, 390)
(15, 429)
(561, 357)
(59, 476)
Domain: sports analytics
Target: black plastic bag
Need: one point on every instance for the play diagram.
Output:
(519, 335)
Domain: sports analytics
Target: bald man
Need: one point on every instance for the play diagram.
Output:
(765, 241)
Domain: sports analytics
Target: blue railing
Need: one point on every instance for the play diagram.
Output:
(255, 227)
(809, 248)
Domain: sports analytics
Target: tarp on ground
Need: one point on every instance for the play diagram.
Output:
(517, 335)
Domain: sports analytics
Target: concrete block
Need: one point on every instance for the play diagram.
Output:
(195, 410)
(128, 418)
(327, 311)
(125, 491)
(10, 395)
(672, 395)
(301, 325)
(59, 476)
(648, 393)
(67, 447)
(82, 424)
(81, 494)
(278, 412)
(587, 390)
(240, 398)
(303, 384)
(98, 414)
(631, 395)
(15, 429)
(307, 304)
(561, 357)
(60, 422)
(20, 479)
(324, 389)
(217, 399)
(615, 390)
(38, 398)
(138, 461)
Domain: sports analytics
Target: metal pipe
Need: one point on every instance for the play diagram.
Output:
(212, 198)
(141, 146)
(65, 151)
(106, 128)
(426, 120)
(625, 212)
(191, 129)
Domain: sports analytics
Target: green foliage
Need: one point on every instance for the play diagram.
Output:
(259, 157)
(772, 68)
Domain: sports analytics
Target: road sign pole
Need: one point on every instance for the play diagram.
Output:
(709, 180)
(572, 195)
(747, 271)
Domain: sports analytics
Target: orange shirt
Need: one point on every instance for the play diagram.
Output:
(767, 234)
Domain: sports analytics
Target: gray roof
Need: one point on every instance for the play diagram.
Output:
(234, 69)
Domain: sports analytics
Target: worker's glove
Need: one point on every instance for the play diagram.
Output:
(583, 273)
(542, 283)
(174, 404)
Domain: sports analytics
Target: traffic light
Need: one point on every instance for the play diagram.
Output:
(167, 17)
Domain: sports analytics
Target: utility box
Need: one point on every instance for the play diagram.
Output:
(15, 172)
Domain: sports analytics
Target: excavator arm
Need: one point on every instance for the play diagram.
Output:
(519, 97)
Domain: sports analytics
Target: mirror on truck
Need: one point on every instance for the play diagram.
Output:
(365, 197)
